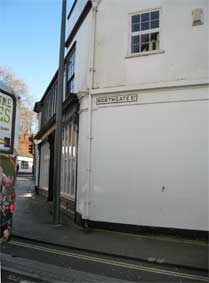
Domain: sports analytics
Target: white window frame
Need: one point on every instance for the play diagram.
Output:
(148, 31)
(70, 78)
(69, 160)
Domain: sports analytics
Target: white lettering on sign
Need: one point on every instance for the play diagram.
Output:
(6, 120)
(116, 99)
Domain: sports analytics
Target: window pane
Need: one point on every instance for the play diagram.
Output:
(145, 17)
(145, 38)
(154, 15)
(144, 47)
(24, 165)
(144, 25)
(135, 19)
(155, 36)
(155, 24)
(135, 27)
(154, 41)
(70, 69)
(134, 48)
(72, 86)
(135, 39)
(71, 66)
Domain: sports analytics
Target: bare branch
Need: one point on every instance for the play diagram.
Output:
(20, 89)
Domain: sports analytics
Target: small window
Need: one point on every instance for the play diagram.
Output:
(145, 32)
(71, 73)
(24, 165)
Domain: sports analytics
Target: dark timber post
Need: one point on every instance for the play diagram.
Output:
(58, 127)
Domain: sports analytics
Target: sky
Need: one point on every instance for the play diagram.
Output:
(29, 40)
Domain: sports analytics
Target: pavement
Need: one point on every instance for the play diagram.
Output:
(33, 220)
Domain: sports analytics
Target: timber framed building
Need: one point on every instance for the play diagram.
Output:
(45, 154)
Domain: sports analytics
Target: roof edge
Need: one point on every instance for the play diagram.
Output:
(55, 76)
(72, 8)
(78, 23)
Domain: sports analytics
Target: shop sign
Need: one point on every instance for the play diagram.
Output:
(116, 99)
(6, 122)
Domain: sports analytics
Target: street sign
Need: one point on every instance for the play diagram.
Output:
(116, 99)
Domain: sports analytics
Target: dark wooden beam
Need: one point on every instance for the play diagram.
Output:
(79, 22)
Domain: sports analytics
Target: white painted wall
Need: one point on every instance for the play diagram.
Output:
(38, 115)
(82, 40)
(185, 47)
(160, 141)
(137, 149)
(75, 14)
(30, 164)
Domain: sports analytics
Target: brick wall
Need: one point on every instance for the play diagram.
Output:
(24, 141)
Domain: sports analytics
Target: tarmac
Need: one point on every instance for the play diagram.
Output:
(42, 272)
(33, 220)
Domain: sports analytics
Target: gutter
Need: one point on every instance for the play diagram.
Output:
(78, 23)
(72, 8)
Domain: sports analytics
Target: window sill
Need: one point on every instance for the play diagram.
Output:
(67, 196)
(145, 54)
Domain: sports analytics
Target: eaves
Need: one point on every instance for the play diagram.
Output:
(67, 104)
(71, 10)
(79, 22)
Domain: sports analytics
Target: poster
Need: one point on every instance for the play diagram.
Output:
(6, 122)
(7, 194)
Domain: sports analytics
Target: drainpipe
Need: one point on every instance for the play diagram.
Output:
(95, 4)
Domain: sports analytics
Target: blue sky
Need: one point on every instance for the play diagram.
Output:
(30, 34)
